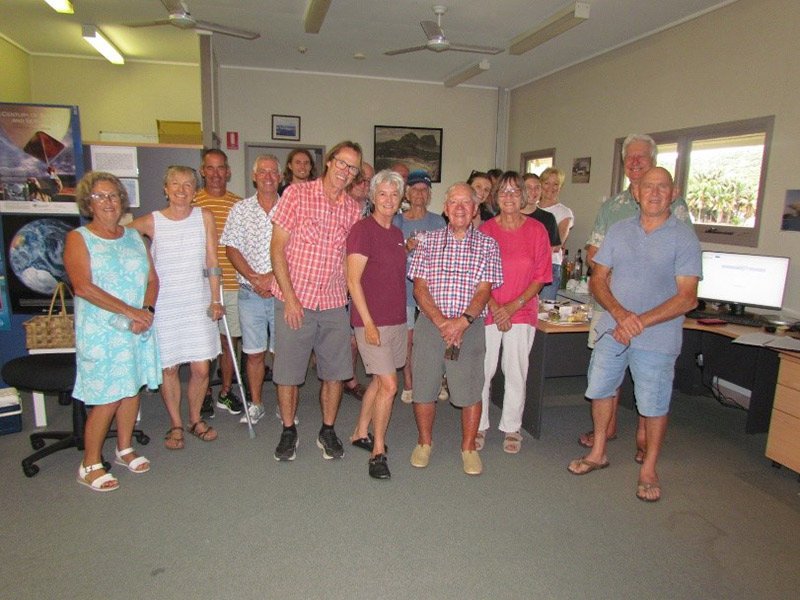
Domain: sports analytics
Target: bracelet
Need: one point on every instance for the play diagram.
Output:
(148, 307)
(212, 271)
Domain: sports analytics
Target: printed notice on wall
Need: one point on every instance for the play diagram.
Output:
(118, 160)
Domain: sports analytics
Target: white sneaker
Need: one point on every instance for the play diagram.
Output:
(444, 393)
(256, 413)
(407, 396)
(280, 418)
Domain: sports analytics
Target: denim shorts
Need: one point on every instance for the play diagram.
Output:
(652, 374)
(257, 318)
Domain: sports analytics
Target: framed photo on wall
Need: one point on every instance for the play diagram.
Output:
(416, 147)
(285, 127)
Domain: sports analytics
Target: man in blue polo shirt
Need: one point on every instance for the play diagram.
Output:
(655, 261)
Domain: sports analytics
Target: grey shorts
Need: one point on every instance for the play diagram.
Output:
(464, 376)
(326, 332)
(390, 355)
(231, 302)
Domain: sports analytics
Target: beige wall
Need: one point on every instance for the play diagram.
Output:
(15, 82)
(127, 98)
(734, 63)
(336, 108)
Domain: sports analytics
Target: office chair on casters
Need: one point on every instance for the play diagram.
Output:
(55, 374)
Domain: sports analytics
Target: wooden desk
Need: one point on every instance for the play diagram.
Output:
(783, 441)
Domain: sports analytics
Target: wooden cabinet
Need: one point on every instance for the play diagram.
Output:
(783, 441)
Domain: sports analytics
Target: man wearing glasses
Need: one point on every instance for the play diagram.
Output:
(655, 262)
(454, 270)
(310, 229)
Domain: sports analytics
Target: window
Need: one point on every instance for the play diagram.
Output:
(537, 161)
(720, 171)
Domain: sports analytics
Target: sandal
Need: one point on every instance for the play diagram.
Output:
(512, 444)
(98, 484)
(133, 466)
(480, 440)
(207, 435)
(174, 442)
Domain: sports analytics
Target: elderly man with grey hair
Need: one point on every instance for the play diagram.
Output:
(246, 237)
(454, 270)
(639, 155)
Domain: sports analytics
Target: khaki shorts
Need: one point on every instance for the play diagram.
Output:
(390, 355)
(231, 302)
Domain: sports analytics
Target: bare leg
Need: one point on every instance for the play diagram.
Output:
(97, 424)
(407, 378)
(601, 415)
(255, 375)
(424, 415)
(367, 409)
(126, 420)
(287, 402)
(656, 428)
(330, 396)
(351, 383)
(470, 419)
(198, 384)
(383, 411)
(171, 393)
(641, 439)
(226, 364)
(587, 439)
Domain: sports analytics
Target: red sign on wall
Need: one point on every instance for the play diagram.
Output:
(232, 138)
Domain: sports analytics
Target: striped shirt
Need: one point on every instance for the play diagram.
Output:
(316, 248)
(453, 268)
(220, 207)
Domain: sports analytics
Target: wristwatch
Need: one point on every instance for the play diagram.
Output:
(150, 308)
(468, 317)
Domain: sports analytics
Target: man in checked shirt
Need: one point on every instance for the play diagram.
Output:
(454, 270)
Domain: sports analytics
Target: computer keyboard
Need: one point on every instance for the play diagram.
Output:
(747, 320)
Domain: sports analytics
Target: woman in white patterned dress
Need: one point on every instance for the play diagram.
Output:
(114, 279)
(185, 257)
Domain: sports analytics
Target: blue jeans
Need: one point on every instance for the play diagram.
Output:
(551, 289)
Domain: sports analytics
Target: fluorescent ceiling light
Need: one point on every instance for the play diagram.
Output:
(315, 15)
(93, 35)
(61, 6)
(467, 73)
(556, 25)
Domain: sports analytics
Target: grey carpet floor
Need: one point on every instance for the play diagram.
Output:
(225, 520)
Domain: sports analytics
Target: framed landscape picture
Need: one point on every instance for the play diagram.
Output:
(416, 147)
(285, 127)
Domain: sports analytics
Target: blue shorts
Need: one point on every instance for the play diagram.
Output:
(257, 319)
(652, 374)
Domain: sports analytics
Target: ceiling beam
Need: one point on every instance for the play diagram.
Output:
(315, 15)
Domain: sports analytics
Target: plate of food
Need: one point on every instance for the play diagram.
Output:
(578, 316)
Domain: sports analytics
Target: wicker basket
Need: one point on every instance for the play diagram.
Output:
(51, 331)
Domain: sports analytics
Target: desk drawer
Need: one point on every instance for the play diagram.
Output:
(789, 373)
(787, 400)
(783, 442)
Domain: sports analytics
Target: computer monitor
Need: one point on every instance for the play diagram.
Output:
(743, 280)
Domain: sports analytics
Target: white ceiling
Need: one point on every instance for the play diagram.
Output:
(351, 26)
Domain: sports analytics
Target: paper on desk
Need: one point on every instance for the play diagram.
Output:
(768, 340)
(784, 343)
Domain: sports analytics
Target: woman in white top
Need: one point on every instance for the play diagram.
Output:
(552, 180)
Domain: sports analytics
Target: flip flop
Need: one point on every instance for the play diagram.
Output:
(592, 466)
(643, 488)
(587, 434)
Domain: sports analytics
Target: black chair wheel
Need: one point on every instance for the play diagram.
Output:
(37, 443)
(30, 470)
(143, 438)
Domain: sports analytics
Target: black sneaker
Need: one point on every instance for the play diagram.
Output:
(230, 402)
(287, 446)
(378, 467)
(207, 410)
(330, 444)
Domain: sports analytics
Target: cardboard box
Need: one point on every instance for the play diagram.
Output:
(10, 411)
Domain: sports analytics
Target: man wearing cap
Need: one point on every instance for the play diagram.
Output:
(414, 223)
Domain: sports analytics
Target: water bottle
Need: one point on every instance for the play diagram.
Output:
(123, 323)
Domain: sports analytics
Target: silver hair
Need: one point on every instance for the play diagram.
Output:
(386, 177)
(640, 137)
(472, 193)
(266, 156)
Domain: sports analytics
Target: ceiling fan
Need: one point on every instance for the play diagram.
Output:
(179, 17)
(438, 43)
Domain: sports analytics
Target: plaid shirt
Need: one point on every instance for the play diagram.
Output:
(316, 248)
(453, 268)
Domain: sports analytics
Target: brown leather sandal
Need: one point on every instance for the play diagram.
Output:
(174, 441)
(208, 434)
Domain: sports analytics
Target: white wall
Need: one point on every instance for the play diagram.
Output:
(334, 108)
(735, 63)
(15, 83)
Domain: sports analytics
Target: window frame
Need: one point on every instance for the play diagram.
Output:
(718, 234)
(534, 154)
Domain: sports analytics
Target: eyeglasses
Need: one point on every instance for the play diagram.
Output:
(340, 164)
(620, 353)
(510, 192)
(113, 197)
